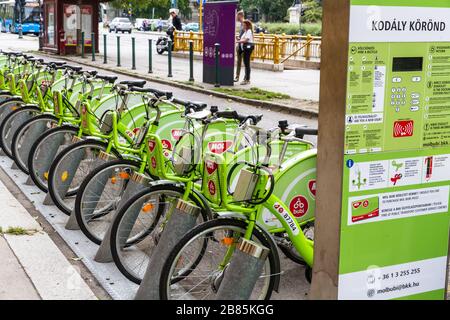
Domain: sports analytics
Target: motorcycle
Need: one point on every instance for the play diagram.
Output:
(162, 44)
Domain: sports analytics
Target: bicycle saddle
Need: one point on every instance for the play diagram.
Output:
(91, 72)
(134, 83)
(110, 79)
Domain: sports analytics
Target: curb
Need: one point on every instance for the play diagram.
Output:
(302, 112)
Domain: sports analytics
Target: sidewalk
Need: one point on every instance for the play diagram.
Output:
(32, 266)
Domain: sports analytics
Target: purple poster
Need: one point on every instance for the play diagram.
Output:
(219, 27)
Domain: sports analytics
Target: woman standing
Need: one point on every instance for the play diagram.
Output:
(247, 47)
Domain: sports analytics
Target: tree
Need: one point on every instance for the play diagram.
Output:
(270, 10)
(144, 8)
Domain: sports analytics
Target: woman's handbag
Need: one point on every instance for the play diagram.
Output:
(249, 46)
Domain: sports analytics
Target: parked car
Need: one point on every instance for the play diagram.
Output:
(193, 26)
(121, 24)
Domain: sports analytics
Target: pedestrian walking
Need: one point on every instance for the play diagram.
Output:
(239, 52)
(247, 47)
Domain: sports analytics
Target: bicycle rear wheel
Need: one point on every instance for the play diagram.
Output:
(70, 168)
(208, 244)
(25, 137)
(44, 151)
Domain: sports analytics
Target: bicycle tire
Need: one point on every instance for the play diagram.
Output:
(8, 124)
(116, 224)
(32, 157)
(22, 160)
(260, 236)
(80, 195)
(57, 200)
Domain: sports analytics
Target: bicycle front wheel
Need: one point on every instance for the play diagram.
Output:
(70, 168)
(25, 137)
(99, 196)
(44, 151)
(194, 269)
(139, 224)
(11, 123)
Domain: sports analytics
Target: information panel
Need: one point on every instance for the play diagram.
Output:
(395, 212)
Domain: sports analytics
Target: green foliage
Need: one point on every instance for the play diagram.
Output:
(144, 8)
(313, 13)
(254, 94)
(314, 29)
(269, 10)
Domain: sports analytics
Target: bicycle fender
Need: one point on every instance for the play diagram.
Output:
(273, 246)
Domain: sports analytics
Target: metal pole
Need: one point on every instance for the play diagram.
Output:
(217, 56)
(200, 13)
(82, 44)
(191, 61)
(105, 57)
(20, 21)
(169, 64)
(133, 53)
(118, 51)
(93, 45)
(150, 54)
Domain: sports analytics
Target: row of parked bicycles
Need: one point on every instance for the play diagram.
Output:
(123, 160)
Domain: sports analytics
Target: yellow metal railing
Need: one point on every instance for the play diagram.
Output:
(268, 47)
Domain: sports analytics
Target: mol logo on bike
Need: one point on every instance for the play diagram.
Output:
(312, 187)
(212, 187)
(299, 206)
(177, 134)
(152, 145)
(219, 147)
(153, 162)
(211, 167)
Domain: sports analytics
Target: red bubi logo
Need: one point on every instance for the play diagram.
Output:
(166, 144)
(299, 206)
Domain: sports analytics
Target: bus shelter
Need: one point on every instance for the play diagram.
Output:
(64, 21)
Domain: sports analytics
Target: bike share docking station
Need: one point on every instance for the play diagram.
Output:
(384, 185)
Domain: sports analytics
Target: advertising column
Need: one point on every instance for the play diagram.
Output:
(395, 204)
(219, 27)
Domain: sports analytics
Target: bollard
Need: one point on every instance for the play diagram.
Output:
(118, 51)
(105, 50)
(150, 54)
(183, 219)
(137, 183)
(133, 53)
(82, 44)
(169, 57)
(243, 272)
(93, 45)
(191, 61)
(95, 195)
(217, 57)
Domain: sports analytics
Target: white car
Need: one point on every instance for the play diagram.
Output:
(120, 24)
